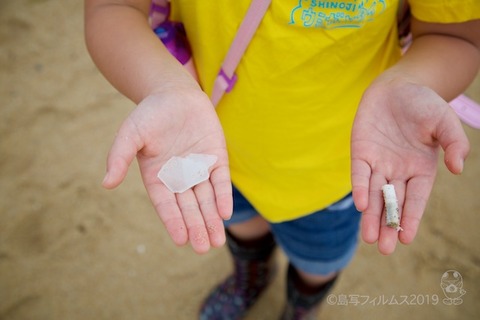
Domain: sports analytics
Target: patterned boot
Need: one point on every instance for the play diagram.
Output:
(253, 271)
(303, 301)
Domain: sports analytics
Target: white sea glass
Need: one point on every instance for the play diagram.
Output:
(180, 174)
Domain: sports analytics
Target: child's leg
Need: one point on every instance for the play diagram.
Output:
(251, 245)
(318, 247)
(304, 300)
(251, 229)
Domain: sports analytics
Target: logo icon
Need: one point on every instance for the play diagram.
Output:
(452, 286)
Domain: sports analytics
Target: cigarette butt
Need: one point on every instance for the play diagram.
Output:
(391, 207)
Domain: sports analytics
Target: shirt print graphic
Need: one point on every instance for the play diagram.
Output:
(335, 14)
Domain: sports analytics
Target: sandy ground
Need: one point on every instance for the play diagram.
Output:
(72, 250)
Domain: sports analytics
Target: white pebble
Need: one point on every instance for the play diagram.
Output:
(141, 249)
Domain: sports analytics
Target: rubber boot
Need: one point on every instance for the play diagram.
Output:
(253, 271)
(303, 301)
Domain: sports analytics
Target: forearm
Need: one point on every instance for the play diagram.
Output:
(445, 58)
(127, 52)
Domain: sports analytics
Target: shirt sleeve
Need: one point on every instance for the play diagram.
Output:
(445, 11)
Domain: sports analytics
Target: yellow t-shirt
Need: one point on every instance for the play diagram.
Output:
(288, 119)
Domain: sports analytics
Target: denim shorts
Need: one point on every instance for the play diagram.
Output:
(319, 243)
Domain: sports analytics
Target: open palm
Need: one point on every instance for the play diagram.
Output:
(177, 124)
(396, 135)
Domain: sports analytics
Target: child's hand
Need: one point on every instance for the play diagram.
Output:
(177, 124)
(396, 134)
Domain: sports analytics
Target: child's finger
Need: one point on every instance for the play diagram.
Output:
(124, 149)
(454, 142)
(213, 222)
(165, 203)
(417, 193)
(361, 172)
(222, 186)
(197, 231)
(372, 214)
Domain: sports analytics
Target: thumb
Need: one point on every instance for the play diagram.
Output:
(124, 149)
(454, 142)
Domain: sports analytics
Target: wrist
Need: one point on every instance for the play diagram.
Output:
(443, 63)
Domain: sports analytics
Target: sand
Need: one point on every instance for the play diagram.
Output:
(72, 250)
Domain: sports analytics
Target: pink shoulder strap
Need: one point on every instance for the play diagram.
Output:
(467, 110)
(226, 77)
